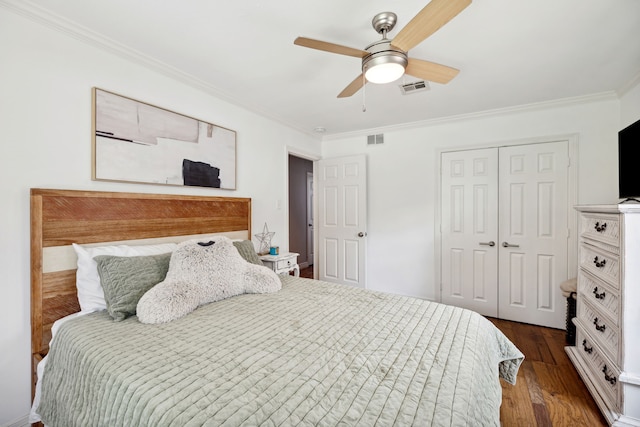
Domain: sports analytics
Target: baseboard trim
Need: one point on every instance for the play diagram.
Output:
(625, 421)
(20, 422)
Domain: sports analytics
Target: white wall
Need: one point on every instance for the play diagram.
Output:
(630, 105)
(45, 141)
(402, 178)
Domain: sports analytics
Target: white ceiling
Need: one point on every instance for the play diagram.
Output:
(510, 52)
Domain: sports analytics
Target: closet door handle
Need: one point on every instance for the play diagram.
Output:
(491, 243)
(509, 245)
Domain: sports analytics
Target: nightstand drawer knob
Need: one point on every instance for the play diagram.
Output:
(586, 349)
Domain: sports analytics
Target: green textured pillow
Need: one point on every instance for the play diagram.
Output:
(247, 251)
(125, 279)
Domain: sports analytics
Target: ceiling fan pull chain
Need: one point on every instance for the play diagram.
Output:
(364, 94)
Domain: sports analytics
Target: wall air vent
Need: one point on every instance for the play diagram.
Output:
(419, 86)
(375, 139)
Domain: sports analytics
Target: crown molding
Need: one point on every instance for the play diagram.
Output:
(631, 84)
(556, 103)
(42, 16)
(85, 35)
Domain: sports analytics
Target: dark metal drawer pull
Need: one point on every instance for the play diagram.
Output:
(587, 349)
(599, 264)
(612, 380)
(598, 295)
(600, 328)
(600, 228)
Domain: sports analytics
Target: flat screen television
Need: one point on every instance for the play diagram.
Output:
(629, 162)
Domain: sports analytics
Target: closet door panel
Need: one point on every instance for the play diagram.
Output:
(469, 229)
(533, 230)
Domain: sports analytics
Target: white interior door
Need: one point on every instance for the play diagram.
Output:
(515, 197)
(534, 233)
(310, 244)
(469, 229)
(342, 220)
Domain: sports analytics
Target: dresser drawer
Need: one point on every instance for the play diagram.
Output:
(601, 227)
(601, 371)
(600, 327)
(604, 265)
(600, 295)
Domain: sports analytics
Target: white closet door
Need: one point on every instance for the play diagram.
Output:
(533, 233)
(470, 229)
(515, 198)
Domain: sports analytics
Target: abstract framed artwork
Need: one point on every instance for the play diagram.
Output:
(138, 142)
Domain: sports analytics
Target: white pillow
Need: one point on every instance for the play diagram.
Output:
(90, 293)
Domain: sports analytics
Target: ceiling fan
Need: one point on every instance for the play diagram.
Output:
(387, 60)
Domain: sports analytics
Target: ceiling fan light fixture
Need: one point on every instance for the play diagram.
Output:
(384, 73)
(384, 67)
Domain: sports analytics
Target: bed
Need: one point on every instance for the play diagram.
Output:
(313, 353)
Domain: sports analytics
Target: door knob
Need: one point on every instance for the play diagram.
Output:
(491, 243)
(509, 245)
(361, 234)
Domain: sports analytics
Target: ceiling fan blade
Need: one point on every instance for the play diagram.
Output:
(429, 20)
(430, 71)
(353, 87)
(330, 47)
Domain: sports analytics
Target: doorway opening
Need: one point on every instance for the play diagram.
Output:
(301, 221)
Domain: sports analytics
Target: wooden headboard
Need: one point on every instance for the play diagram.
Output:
(62, 217)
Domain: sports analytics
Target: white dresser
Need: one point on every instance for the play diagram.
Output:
(607, 350)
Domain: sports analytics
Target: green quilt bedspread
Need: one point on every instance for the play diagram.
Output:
(312, 354)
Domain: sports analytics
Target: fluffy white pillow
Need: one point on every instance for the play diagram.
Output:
(90, 293)
(201, 272)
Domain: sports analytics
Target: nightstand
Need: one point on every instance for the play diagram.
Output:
(283, 263)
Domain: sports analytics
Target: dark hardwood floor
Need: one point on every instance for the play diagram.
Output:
(307, 272)
(548, 390)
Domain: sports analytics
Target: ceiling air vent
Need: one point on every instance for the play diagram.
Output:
(375, 139)
(414, 87)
